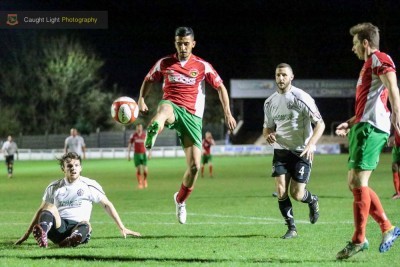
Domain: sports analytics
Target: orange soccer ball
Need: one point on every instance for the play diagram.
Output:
(124, 110)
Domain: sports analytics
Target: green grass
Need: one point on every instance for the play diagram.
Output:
(233, 220)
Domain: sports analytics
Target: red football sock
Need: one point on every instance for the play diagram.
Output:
(361, 206)
(396, 182)
(183, 193)
(202, 170)
(211, 168)
(139, 178)
(377, 212)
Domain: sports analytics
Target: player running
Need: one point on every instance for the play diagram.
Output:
(289, 113)
(136, 141)
(9, 149)
(206, 158)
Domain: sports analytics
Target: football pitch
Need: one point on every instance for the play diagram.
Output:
(233, 220)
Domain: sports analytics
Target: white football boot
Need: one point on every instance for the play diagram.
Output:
(180, 210)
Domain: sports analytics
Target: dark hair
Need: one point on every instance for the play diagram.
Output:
(68, 157)
(284, 65)
(184, 31)
(366, 31)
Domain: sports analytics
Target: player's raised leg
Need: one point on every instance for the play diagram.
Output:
(165, 114)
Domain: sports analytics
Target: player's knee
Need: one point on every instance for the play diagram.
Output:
(85, 229)
(281, 194)
(350, 187)
(395, 167)
(50, 208)
(297, 195)
(194, 169)
(165, 112)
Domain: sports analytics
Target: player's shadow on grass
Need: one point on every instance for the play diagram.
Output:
(264, 259)
(8, 244)
(176, 260)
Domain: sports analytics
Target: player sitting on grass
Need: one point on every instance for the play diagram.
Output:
(63, 217)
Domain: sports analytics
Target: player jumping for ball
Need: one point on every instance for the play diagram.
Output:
(181, 108)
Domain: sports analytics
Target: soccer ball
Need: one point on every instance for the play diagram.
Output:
(124, 110)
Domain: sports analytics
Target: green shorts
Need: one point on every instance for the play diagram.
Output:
(396, 154)
(365, 146)
(206, 159)
(140, 159)
(188, 126)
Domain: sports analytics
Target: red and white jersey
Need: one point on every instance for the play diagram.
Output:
(138, 141)
(371, 94)
(207, 146)
(74, 200)
(183, 82)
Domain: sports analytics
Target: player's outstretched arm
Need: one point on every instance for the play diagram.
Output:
(125, 232)
(110, 209)
(344, 128)
(144, 91)
(129, 151)
(224, 99)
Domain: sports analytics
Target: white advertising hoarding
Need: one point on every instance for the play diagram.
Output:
(316, 88)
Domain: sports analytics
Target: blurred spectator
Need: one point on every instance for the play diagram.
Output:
(75, 143)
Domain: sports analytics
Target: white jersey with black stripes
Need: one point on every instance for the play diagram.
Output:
(74, 200)
(291, 114)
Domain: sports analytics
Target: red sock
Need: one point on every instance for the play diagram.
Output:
(396, 182)
(210, 170)
(377, 212)
(139, 178)
(202, 170)
(361, 206)
(183, 194)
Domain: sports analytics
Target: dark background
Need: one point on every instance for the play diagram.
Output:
(241, 39)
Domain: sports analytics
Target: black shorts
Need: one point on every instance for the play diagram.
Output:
(65, 230)
(9, 159)
(286, 161)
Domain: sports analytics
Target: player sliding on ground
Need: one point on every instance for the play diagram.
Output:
(63, 217)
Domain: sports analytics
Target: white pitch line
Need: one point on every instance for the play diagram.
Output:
(268, 219)
(252, 220)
